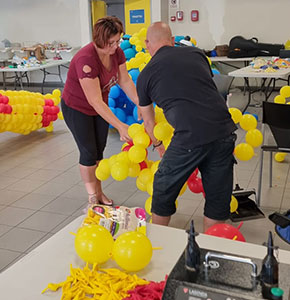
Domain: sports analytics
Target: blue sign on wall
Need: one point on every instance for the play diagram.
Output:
(137, 16)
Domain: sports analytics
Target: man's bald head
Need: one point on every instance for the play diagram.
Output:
(158, 35)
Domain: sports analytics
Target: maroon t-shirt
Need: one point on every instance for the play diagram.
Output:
(73, 94)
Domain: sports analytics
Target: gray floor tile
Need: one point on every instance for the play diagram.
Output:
(42, 221)
(39, 242)
(179, 220)
(20, 239)
(24, 185)
(4, 229)
(7, 197)
(6, 257)
(19, 172)
(52, 189)
(7, 181)
(63, 224)
(44, 174)
(12, 216)
(186, 206)
(64, 205)
(33, 201)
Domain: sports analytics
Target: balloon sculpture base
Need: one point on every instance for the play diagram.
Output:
(247, 207)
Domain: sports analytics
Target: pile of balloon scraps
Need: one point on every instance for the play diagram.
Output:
(264, 65)
(282, 63)
(118, 219)
(103, 284)
(151, 291)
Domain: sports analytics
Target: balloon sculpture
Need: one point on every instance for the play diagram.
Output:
(23, 112)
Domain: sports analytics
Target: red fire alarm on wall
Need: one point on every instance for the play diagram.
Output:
(194, 15)
(179, 15)
(172, 18)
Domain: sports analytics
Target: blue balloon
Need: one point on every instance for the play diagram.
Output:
(120, 114)
(178, 38)
(125, 45)
(111, 102)
(130, 120)
(126, 36)
(129, 53)
(113, 110)
(114, 92)
(120, 101)
(128, 109)
(215, 71)
(134, 74)
(135, 113)
(254, 115)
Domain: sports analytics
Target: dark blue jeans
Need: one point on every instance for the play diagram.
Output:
(215, 163)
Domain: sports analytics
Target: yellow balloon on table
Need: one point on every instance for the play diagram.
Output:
(234, 204)
(280, 156)
(285, 91)
(248, 122)
(94, 244)
(254, 137)
(279, 99)
(244, 151)
(137, 154)
(120, 170)
(236, 114)
(132, 251)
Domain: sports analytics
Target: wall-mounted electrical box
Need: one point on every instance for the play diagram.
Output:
(194, 15)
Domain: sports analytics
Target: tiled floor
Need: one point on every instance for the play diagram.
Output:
(41, 189)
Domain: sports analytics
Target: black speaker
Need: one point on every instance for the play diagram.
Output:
(284, 53)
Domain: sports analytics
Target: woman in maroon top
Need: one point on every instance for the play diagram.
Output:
(92, 72)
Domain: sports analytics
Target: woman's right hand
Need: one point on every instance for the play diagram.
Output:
(123, 131)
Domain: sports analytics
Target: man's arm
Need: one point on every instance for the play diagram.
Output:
(149, 123)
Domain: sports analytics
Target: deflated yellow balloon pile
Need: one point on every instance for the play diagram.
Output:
(103, 284)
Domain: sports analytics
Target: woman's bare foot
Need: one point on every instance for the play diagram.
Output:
(103, 199)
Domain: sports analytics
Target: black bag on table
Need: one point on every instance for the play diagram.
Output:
(241, 47)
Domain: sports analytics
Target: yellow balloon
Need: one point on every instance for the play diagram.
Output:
(254, 137)
(234, 204)
(159, 117)
(140, 185)
(148, 204)
(280, 156)
(123, 156)
(236, 114)
(150, 187)
(244, 151)
(137, 154)
(132, 251)
(279, 99)
(248, 122)
(94, 244)
(101, 175)
(141, 139)
(56, 93)
(145, 176)
(285, 91)
(134, 169)
(209, 60)
(155, 166)
(162, 131)
(119, 170)
(134, 128)
(103, 171)
(113, 159)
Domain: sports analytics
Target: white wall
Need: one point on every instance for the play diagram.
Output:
(40, 21)
(219, 20)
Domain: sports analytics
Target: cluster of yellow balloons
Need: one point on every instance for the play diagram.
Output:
(133, 161)
(132, 251)
(24, 111)
(254, 137)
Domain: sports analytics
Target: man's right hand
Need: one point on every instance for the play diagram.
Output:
(161, 150)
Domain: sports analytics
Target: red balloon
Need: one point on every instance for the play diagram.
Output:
(2, 108)
(49, 102)
(5, 99)
(194, 173)
(54, 110)
(195, 184)
(225, 231)
(143, 165)
(8, 109)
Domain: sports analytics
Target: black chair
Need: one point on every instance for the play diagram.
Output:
(277, 117)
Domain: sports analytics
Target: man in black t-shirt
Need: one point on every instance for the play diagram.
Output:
(179, 80)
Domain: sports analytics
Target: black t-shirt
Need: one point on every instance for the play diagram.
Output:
(179, 80)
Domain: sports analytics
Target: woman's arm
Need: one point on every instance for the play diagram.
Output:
(127, 84)
(92, 90)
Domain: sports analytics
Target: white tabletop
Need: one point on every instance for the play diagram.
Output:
(50, 261)
(225, 59)
(48, 64)
(259, 73)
